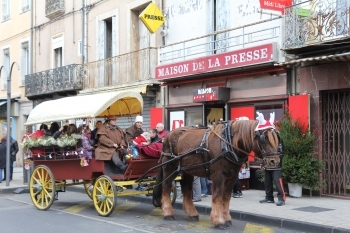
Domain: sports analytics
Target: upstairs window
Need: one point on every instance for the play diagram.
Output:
(6, 64)
(5, 10)
(25, 5)
(24, 62)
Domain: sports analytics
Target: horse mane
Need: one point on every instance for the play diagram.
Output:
(244, 134)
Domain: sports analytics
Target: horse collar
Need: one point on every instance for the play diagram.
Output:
(227, 148)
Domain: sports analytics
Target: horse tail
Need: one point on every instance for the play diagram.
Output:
(157, 189)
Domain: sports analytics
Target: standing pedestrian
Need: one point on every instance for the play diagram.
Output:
(13, 152)
(272, 166)
(2, 156)
(196, 189)
(204, 188)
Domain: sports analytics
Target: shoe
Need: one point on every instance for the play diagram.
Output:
(266, 201)
(240, 194)
(3, 179)
(236, 195)
(280, 203)
(196, 200)
(203, 195)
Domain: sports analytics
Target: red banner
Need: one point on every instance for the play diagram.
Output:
(239, 58)
(275, 5)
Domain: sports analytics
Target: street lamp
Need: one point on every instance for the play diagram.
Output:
(8, 114)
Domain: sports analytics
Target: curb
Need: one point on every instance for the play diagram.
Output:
(237, 215)
(23, 188)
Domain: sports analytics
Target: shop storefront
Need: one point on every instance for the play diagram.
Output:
(225, 87)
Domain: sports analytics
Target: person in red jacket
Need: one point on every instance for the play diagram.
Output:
(161, 131)
(38, 134)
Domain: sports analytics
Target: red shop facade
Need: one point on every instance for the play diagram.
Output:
(225, 86)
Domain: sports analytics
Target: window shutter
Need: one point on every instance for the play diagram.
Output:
(114, 36)
(4, 10)
(101, 49)
(23, 66)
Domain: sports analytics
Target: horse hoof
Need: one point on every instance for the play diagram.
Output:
(221, 227)
(228, 223)
(170, 218)
(193, 218)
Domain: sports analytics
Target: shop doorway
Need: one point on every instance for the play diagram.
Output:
(335, 143)
(214, 114)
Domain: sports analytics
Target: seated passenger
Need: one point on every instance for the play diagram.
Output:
(38, 134)
(143, 139)
(154, 136)
(53, 128)
(161, 131)
(154, 149)
(61, 131)
(134, 130)
(111, 143)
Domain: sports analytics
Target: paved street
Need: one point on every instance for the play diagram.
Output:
(74, 212)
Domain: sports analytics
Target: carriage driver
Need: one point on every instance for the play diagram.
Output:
(111, 143)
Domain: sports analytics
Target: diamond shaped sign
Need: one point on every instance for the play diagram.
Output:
(152, 17)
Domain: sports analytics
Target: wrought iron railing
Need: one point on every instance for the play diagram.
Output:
(122, 69)
(65, 78)
(222, 41)
(54, 8)
(316, 21)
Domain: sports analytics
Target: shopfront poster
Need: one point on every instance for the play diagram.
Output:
(177, 119)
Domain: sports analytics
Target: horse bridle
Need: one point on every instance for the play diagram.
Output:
(262, 141)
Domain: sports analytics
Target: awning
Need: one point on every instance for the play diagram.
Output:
(125, 103)
(345, 56)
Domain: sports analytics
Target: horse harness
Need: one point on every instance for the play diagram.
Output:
(226, 145)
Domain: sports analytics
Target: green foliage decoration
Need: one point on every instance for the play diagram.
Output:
(300, 164)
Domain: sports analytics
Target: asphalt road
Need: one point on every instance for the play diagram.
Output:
(74, 212)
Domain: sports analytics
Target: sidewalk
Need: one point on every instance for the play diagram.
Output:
(305, 214)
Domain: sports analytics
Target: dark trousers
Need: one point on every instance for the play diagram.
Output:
(237, 187)
(274, 176)
(11, 170)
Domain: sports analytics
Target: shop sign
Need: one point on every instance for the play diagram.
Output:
(152, 17)
(275, 5)
(211, 94)
(177, 119)
(234, 59)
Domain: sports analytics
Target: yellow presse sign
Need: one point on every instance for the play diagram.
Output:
(152, 17)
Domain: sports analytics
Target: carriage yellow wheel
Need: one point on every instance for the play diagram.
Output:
(89, 186)
(42, 187)
(104, 196)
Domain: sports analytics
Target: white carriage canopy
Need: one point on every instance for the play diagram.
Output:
(123, 103)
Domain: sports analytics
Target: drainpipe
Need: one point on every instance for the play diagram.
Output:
(83, 32)
(31, 38)
(73, 24)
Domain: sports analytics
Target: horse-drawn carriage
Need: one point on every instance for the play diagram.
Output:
(56, 168)
(216, 153)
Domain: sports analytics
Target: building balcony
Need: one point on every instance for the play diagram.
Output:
(254, 34)
(65, 80)
(54, 8)
(316, 22)
(125, 69)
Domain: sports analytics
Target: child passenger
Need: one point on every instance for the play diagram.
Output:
(141, 140)
(87, 148)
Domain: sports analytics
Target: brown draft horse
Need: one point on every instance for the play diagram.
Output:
(228, 147)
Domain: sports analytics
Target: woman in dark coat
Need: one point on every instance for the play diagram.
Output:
(2, 156)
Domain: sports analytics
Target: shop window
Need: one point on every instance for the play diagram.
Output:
(267, 108)
(185, 117)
